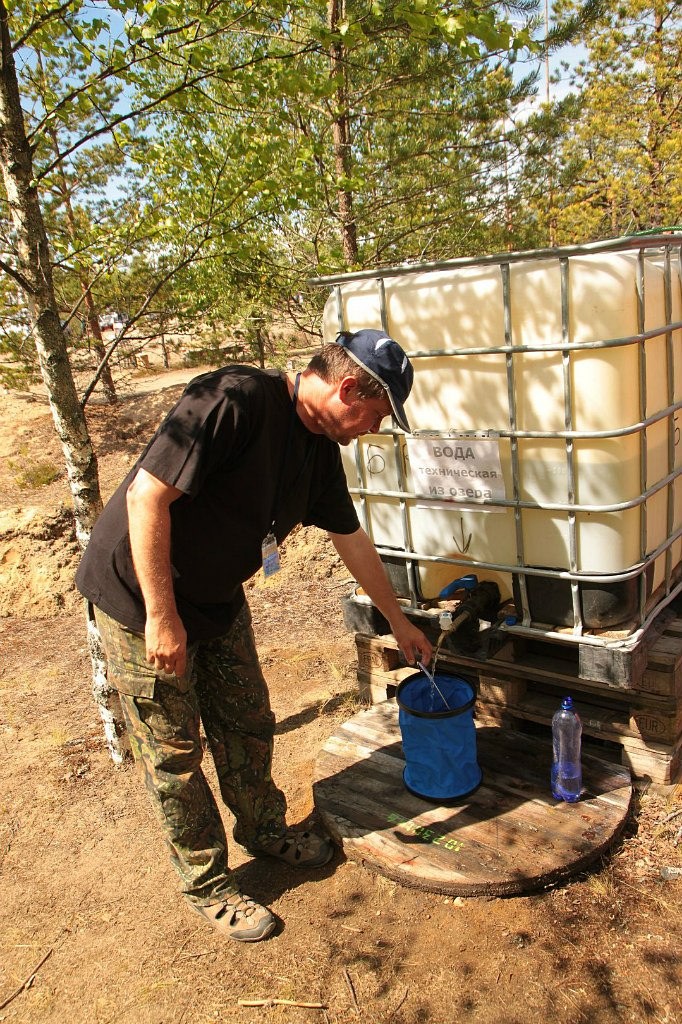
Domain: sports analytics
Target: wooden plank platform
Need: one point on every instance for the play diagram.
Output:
(508, 838)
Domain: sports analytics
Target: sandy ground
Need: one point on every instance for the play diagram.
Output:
(92, 927)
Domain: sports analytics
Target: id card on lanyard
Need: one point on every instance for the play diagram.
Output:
(270, 555)
(269, 549)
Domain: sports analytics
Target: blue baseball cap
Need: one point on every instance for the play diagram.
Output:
(383, 359)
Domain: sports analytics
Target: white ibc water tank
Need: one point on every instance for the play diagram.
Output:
(568, 364)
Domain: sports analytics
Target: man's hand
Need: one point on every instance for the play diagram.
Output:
(411, 641)
(166, 643)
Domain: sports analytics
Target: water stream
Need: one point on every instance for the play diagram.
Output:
(432, 675)
(435, 689)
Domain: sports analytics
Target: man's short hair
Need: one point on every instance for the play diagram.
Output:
(332, 363)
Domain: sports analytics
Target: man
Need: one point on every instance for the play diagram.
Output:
(244, 456)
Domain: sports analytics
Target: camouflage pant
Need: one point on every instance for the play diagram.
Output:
(223, 688)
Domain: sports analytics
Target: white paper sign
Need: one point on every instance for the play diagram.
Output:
(456, 468)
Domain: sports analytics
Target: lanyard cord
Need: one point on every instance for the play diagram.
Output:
(287, 447)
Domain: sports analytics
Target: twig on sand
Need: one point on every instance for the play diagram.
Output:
(398, 1004)
(281, 1002)
(351, 989)
(195, 956)
(27, 983)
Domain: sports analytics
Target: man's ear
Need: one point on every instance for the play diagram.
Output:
(348, 389)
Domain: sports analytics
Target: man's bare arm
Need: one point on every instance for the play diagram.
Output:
(149, 500)
(361, 558)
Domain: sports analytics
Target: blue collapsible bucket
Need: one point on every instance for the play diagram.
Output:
(439, 737)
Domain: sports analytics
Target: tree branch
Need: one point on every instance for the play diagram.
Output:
(147, 107)
(21, 281)
(56, 12)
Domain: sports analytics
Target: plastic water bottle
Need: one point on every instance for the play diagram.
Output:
(567, 776)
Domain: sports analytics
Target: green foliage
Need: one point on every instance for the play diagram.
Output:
(616, 150)
(190, 170)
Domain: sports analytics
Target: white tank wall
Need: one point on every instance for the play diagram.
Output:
(463, 308)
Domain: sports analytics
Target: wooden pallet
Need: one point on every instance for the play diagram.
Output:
(639, 728)
(663, 672)
(620, 659)
(651, 665)
(660, 685)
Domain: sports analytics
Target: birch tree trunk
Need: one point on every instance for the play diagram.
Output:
(33, 272)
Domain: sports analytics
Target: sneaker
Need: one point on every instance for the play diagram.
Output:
(238, 917)
(299, 849)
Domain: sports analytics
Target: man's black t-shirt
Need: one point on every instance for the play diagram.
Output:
(242, 459)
